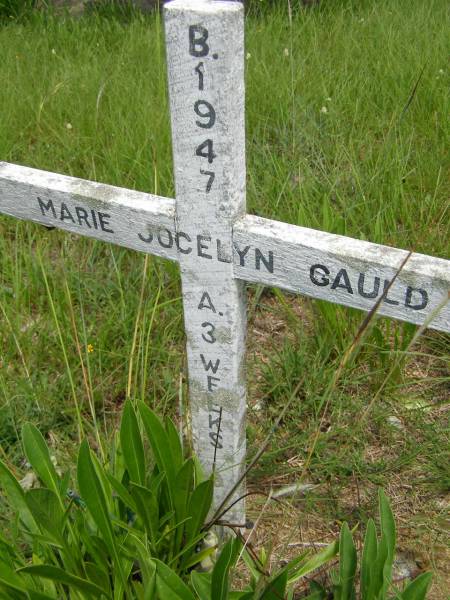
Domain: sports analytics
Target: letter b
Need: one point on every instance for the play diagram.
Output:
(197, 44)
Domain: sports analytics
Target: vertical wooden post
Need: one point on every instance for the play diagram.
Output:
(205, 55)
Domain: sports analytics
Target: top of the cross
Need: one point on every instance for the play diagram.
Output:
(205, 6)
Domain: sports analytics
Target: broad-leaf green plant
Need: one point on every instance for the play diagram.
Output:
(373, 580)
(104, 536)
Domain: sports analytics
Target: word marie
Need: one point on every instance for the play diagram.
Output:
(91, 219)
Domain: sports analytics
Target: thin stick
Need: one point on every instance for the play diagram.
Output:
(347, 355)
(255, 459)
(217, 440)
(136, 327)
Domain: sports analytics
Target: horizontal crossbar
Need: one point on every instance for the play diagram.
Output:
(321, 265)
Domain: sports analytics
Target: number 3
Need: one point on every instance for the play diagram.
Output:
(208, 336)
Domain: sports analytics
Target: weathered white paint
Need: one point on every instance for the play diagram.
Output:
(217, 245)
(354, 268)
(119, 216)
(146, 223)
(205, 54)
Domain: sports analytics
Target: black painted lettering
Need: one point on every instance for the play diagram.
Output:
(205, 150)
(103, 222)
(94, 219)
(241, 253)
(165, 243)
(147, 240)
(317, 275)
(342, 281)
(208, 336)
(376, 287)
(201, 246)
(208, 365)
(200, 72)
(216, 439)
(206, 302)
(197, 41)
(260, 258)
(221, 256)
(205, 110)
(46, 207)
(211, 382)
(185, 236)
(65, 213)
(211, 177)
(409, 296)
(386, 299)
(213, 422)
(82, 215)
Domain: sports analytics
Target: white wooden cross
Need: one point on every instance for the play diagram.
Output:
(217, 245)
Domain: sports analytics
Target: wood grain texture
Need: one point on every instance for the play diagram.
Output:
(104, 212)
(205, 54)
(344, 270)
(146, 223)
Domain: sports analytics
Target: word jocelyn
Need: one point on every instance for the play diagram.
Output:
(219, 247)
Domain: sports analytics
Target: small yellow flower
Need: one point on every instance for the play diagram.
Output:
(69, 126)
(324, 109)
(286, 51)
(248, 56)
(90, 348)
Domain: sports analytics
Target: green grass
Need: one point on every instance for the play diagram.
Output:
(339, 137)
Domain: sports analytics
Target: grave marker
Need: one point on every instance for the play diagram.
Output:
(217, 245)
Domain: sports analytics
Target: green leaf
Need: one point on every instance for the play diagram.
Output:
(132, 446)
(160, 444)
(201, 582)
(122, 492)
(368, 560)
(197, 557)
(38, 455)
(10, 578)
(146, 564)
(147, 508)
(276, 588)
(16, 496)
(96, 548)
(417, 589)
(175, 444)
(32, 595)
(386, 548)
(184, 485)
(97, 575)
(199, 506)
(347, 564)
(46, 509)
(169, 585)
(316, 592)
(59, 575)
(93, 495)
(387, 523)
(315, 562)
(220, 575)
